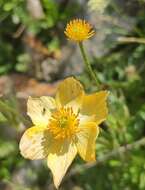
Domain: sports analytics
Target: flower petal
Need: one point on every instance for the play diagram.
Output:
(70, 93)
(85, 141)
(39, 109)
(59, 161)
(94, 106)
(35, 143)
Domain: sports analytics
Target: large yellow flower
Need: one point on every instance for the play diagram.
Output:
(64, 126)
(78, 30)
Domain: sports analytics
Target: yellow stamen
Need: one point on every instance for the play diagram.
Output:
(63, 123)
(78, 30)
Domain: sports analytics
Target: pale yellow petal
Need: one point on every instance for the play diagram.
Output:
(70, 93)
(95, 106)
(59, 161)
(39, 109)
(35, 143)
(86, 118)
(85, 141)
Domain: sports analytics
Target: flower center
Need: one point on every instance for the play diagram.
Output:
(63, 123)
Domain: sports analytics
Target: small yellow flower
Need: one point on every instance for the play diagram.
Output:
(78, 30)
(64, 126)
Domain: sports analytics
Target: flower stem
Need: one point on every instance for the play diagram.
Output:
(87, 64)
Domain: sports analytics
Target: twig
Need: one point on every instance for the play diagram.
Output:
(19, 31)
(131, 40)
(103, 158)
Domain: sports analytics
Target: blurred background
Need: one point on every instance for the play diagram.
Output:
(35, 56)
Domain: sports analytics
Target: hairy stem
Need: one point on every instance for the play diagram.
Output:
(88, 65)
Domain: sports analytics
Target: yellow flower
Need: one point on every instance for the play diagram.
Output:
(78, 30)
(64, 126)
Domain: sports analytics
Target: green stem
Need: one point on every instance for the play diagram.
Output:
(87, 64)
